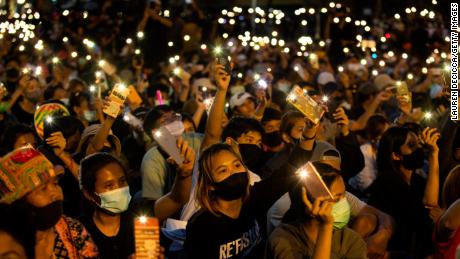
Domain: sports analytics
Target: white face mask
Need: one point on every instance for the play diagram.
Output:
(176, 128)
(116, 201)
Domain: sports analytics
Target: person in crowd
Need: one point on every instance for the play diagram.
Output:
(400, 153)
(17, 237)
(375, 128)
(32, 93)
(446, 234)
(157, 175)
(16, 136)
(32, 189)
(81, 107)
(320, 226)
(104, 183)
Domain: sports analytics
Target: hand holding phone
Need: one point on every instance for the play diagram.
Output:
(116, 100)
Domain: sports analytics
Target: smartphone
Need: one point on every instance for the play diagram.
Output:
(108, 68)
(168, 143)
(305, 104)
(134, 97)
(313, 182)
(403, 91)
(147, 237)
(116, 99)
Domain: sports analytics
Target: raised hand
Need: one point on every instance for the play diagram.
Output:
(222, 77)
(57, 141)
(321, 209)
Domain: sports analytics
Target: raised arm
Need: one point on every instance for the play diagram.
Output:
(216, 115)
(362, 120)
(173, 201)
(430, 137)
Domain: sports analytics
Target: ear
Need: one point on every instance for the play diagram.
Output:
(396, 157)
(228, 141)
(91, 197)
(286, 138)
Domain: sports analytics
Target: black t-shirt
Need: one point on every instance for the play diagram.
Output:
(119, 246)
(219, 236)
(21, 115)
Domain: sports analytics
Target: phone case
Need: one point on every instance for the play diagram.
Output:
(116, 99)
(403, 91)
(313, 181)
(147, 237)
(168, 143)
(134, 97)
(305, 104)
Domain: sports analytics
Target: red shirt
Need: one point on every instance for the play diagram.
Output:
(446, 250)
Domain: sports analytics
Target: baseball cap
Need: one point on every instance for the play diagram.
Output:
(383, 81)
(325, 77)
(239, 99)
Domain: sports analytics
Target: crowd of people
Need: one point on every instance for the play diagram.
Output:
(207, 140)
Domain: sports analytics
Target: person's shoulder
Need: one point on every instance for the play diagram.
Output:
(349, 237)
(202, 217)
(287, 231)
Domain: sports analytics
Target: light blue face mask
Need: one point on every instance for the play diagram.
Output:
(341, 213)
(116, 201)
(89, 116)
(435, 91)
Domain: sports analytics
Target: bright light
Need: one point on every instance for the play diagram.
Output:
(262, 83)
(428, 115)
(170, 44)
(340, 68)
(92, 88)
(22, 48)
(397, 16)
(143, 219)
(176, 71)
(140, 34)
(121, 86)
(405, 56)
(74, 54)
(303, 173)
(49, 119)
(126, 118)
(375, 72)
(158, 134)
(363, 62)
(129, 41)
(88, 57)
(186, 37)
(325, 98)
(102, 63)
(137, 51)
(55, 60)
(65, 39)
(410, 76)
(424, 70)
(446, 68)
(218, 50)
(65, 13)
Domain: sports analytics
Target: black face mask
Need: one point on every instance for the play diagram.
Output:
(273, 139)
(48, 216)
(12, 73)
(233, 187)
(251, 155)
(414, 160)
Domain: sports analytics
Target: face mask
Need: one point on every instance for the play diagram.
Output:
(48, 216)
(273, 139)
(341, 213)
(65, 101)
(176, 128)
(284, 86)
(251, 155)
(34, 95)
(414, 160)
(233, 187)
(12, 73)
(435, 91)
(116, 201)
(89, 116)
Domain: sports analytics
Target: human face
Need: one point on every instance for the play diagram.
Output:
(251, 137)
(25, 139)
(410, 145)
(337, 189)
(297, 129)
(188, 126)
(248, 108)
(10, 248)
(224, 164)
(271, 126)
(109, 178)
(46, 193)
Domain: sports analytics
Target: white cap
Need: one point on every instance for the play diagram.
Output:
(325, 77)
(239, 99)
(203, 82)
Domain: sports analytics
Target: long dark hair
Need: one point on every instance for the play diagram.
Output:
(390, 142)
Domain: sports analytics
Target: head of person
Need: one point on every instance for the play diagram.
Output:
(56, 93)
(271, 122)
(17, 238)
(375, 127)
(70, 127)
(80, 107)
(104, 182)
(12, 70)
(247, 133)
(189, 124)
(222, 176)
(18, 135)
(33, 90)
(336, 185)
(76, 85)
(31, 186)
(163, 115)
(243, 104)
(292, 125)
(399, 148)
